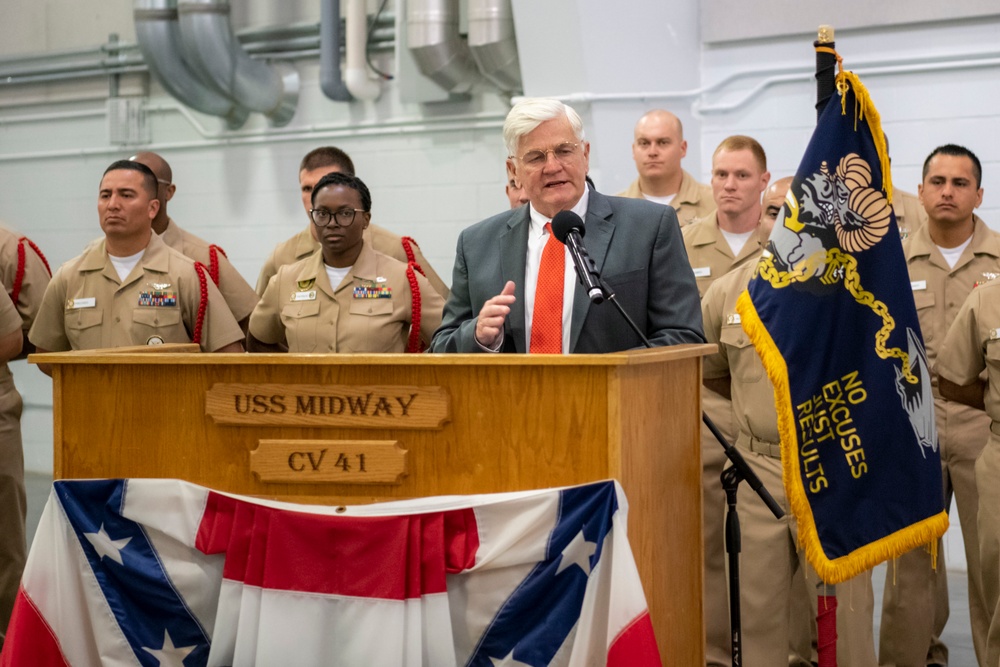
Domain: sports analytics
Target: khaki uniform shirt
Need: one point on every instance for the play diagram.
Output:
(382, 240)
(300, 307)
(10, 319)
(910, 213)
(239, 296)
(87, 306)
(973, 345)
(693, 200)
(753, 393)
(710, 254)
(34, 281)
(940, 291)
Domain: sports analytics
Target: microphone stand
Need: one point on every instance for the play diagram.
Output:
(731, 478)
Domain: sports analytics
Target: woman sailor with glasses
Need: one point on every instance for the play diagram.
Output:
(347, 297)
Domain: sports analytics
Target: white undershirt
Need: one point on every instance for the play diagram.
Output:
(951, 255)
(736, 241)
(124, 265)
(666, 201)
(337, 274)
(537, 238)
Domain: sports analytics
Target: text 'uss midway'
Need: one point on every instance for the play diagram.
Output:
(316, 405)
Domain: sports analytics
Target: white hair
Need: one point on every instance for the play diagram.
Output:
(531, 112)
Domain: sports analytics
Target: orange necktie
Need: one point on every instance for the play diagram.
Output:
(546, 319)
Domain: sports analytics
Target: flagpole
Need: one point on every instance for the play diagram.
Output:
(826, 595)
(826, 67)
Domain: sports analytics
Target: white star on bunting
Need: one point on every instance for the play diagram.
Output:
(169, 655)
(508, 661)
(578, 552)
(105, 546)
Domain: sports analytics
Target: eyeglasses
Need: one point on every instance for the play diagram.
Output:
(537, 158)
(344, 217)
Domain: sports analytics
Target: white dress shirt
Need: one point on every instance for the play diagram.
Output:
(537, 238)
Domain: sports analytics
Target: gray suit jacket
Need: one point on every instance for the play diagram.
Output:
(637, 248)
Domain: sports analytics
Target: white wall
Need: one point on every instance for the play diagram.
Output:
(433, 169)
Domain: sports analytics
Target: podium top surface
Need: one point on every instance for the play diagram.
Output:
(183, 355)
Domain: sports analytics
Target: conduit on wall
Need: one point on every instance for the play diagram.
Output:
(359, 83)
(331, 81)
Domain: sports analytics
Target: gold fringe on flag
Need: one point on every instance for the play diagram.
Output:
(865, 110)
(840, 569)
(924, 532)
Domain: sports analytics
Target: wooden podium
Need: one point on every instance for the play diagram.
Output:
(346, 429)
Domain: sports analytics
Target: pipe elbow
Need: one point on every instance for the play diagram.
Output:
(361, 85)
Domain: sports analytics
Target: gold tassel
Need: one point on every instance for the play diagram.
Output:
(865, 110)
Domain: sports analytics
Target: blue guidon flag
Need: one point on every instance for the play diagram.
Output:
(830, 312)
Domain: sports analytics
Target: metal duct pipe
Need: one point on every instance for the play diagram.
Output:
(213, 49)
(437, 47)
(330, 80)
(158, 34)
(356, 68)
(493, 44)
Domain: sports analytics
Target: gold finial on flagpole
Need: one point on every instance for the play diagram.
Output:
(825, 34)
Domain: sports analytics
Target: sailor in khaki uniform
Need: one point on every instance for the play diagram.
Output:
(657, 150)
(25, 272)
(770, 558)
(315, 165)
(739, 176)
(239, 296)
(711, 255)
(130, 288)
(910, 213)
(13, 504)
(946, 257)
(972, 346)
(692, 202)
(347, 297)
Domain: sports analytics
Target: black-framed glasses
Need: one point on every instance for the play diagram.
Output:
(536, 159)
(321, 217)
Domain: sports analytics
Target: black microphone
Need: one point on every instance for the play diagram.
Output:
(568, 228)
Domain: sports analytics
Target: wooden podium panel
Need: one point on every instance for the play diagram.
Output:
(493, 423)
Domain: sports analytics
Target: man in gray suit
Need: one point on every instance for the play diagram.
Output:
(635, 244)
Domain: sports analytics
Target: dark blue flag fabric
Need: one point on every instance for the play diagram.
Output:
(831, 313)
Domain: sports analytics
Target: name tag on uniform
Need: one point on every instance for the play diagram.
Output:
(702, 271)
(917, 285)
(734, 318)
(89, 302)
(304, 296)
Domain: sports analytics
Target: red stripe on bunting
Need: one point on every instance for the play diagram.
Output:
(635, 646)
(30, 641)
(390, 558)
